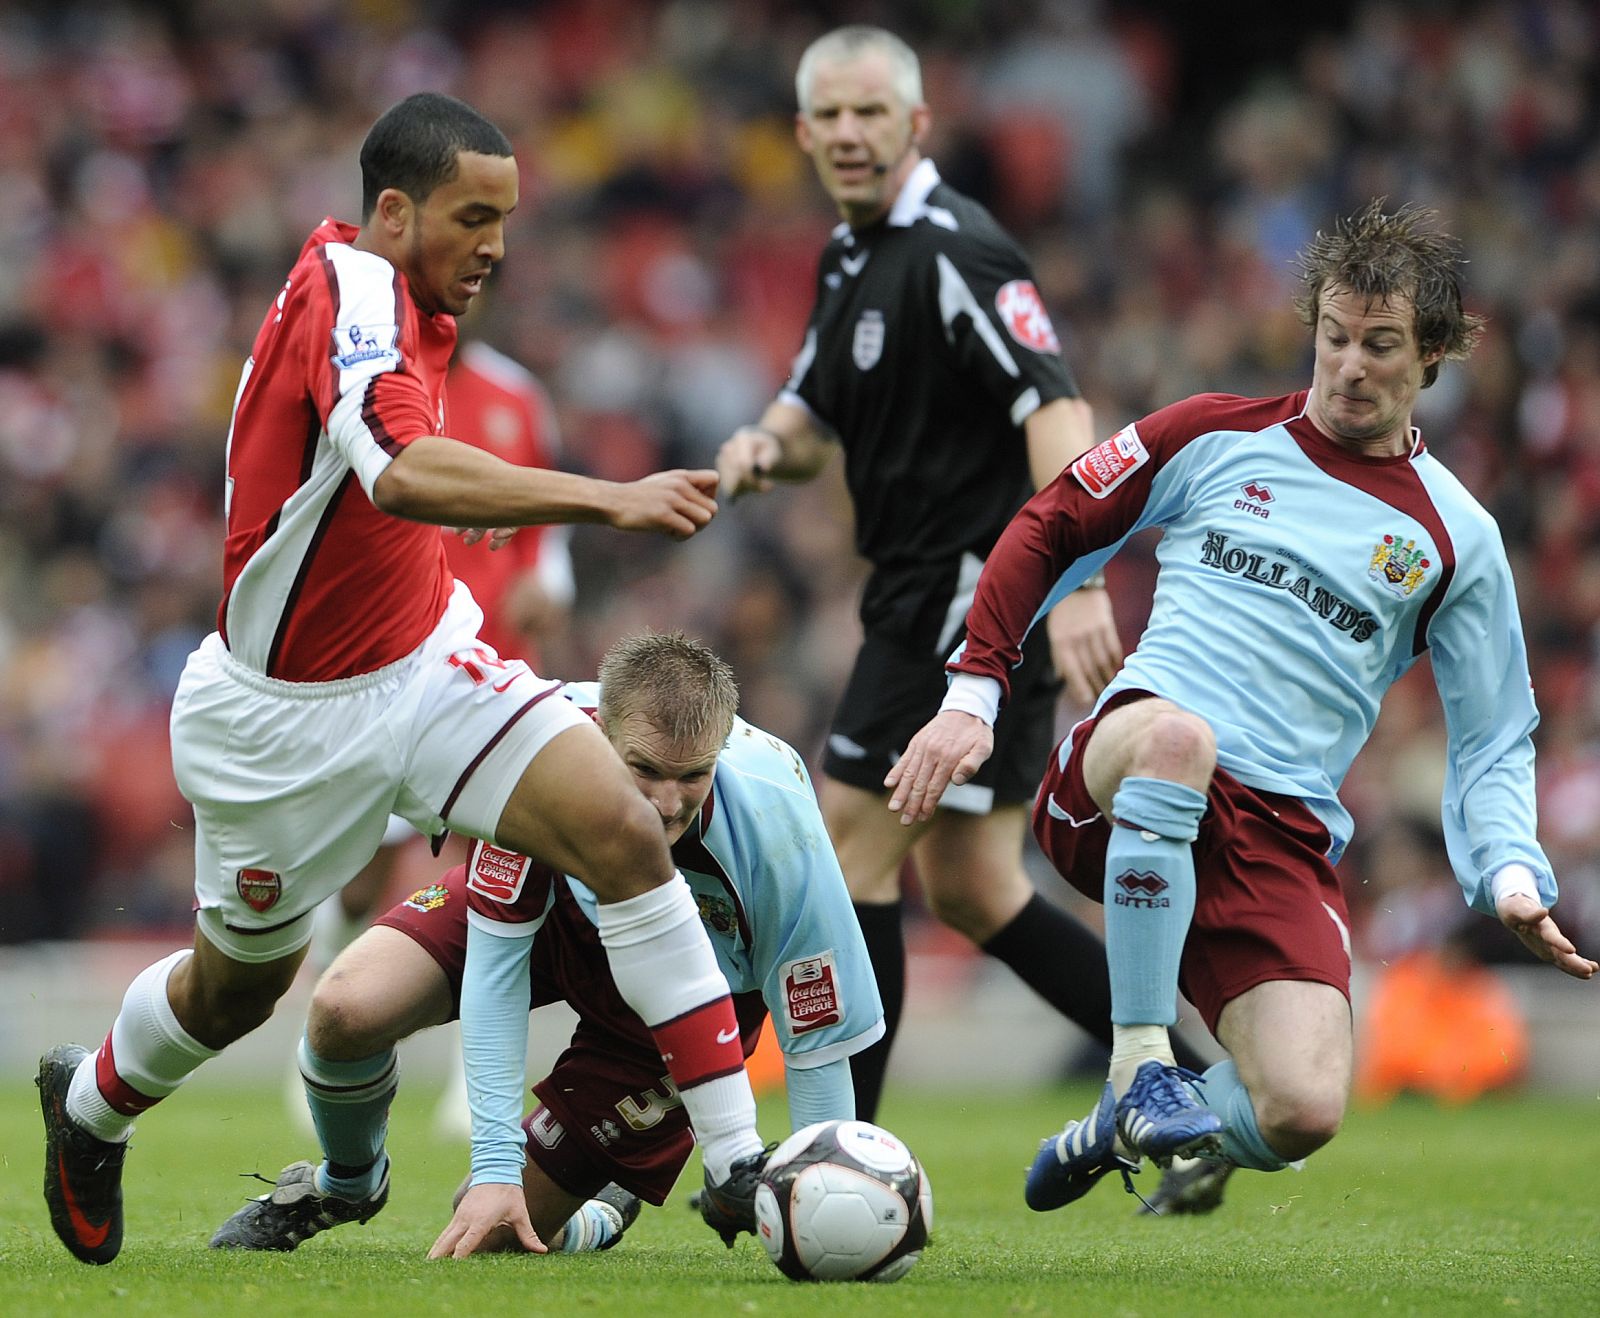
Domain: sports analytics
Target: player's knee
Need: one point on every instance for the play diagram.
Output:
(977, 909)
(1297, 1122)
(1175, 745)
(344, 1025)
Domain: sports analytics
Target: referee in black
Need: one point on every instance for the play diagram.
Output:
(931, 361)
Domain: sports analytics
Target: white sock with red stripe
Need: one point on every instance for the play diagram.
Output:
(666, 971)
(145, 1057)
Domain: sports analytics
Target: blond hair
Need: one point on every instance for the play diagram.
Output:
(676, 683)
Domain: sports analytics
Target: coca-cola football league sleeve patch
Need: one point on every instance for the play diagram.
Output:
(1022, 312)
(505, 887)
(811, 995)
(1107, 465)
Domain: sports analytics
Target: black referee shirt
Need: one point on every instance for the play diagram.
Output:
(927, 348)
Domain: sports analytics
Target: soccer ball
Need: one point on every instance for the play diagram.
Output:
(843, 1201)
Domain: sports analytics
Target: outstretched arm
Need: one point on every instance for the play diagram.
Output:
(441, 480)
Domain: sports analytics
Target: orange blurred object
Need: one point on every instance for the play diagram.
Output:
(765, 1065)
(1440, 1026)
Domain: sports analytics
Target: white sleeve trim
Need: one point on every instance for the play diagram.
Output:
(504, 929)
(832, 1052)
(971, 694)
(954, 299)
(1028, 402)
(1512, 879)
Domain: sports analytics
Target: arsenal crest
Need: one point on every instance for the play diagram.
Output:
(260, 889)
(867, 346)
(1398, 568)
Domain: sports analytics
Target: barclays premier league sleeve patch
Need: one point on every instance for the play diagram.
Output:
(497, 874)
(811, 993)
(354, 345)
(1021, 311)
(1107, 465)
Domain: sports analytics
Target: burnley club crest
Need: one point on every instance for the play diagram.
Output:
(1398, 567)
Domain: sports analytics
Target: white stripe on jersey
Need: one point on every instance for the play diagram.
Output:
(956, 614)
(954, 298)
(803, 360)
(260, 593)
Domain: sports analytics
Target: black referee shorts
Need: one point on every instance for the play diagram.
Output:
(894, 690)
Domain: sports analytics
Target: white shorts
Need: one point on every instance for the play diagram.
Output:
(293, 783)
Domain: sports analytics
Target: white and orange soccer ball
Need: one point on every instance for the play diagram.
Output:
(844, 1201)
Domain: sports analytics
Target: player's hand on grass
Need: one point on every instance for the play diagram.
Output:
(482, 1210)
(1084, 643)
(950, 748)
(744, 460)
(677, 503)
(1533, 924)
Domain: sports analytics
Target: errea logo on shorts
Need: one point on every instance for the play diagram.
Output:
(496, 873)
(1107, 465)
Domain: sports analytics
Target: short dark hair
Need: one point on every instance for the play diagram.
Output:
(676, 683)
(414, 145)
(1381, 255)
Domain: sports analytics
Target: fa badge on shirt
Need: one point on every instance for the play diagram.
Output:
(867, 346)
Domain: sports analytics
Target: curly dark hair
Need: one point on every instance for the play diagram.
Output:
(414, 145)
(1384, 256)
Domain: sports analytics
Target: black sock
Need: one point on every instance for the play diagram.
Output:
(1065, 964)
(886, 947)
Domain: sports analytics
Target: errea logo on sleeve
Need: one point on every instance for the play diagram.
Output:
(1107, 465)
(355, 344)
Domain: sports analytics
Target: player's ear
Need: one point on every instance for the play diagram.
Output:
(802, 132)
(393, 211)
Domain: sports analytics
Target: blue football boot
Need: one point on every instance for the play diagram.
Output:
(1160, 1118)
(1070, 1164)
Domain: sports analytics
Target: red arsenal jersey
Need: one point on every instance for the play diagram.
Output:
(319, 584)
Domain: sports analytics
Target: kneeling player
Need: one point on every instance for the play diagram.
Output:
(744, 827)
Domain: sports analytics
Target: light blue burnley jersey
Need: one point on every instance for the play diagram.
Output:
(772, 898)
(1297, 583)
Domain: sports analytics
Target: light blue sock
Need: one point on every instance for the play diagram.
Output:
(1224, 1093)
(1149, 896)
(349, 1104)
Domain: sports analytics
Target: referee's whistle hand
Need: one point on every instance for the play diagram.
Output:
(744, 460)
(948, 750)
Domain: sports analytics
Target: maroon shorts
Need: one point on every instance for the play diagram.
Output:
(608, 1111)
(1267, 902)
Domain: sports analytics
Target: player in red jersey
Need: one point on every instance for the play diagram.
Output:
(346, 681)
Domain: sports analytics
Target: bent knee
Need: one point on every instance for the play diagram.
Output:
(978, 910)
(1296, 1125)
(1176, 744)
(627, 855)
(343, 1025)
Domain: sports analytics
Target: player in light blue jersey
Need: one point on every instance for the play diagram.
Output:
(503, 932)
(1312, 551)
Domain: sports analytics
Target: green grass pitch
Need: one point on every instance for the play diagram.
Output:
(1412, 1210)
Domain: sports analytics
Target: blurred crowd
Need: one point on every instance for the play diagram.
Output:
(160, 165)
